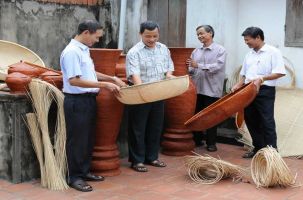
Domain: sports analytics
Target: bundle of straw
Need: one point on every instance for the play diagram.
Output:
(41, 97)
(209, 170)
(60, 134)
(37, 143)
(268, 169)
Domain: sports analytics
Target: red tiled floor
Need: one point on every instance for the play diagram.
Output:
(170, 183)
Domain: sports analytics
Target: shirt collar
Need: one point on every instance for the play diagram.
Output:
(142, 45)
(79, 44)
(263, 48)
(211, 46)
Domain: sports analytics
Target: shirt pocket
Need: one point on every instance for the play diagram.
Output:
(147, 65)
(87, 63)
(264, 67)
(161, 63)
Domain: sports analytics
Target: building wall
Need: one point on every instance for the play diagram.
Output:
(136, 13)
(230, 18)
(46, 28)
(222, 16)
(270, 16)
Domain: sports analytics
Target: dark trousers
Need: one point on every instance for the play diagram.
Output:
(144, 132)
(259, 118)
(80, 118)
(211, 134)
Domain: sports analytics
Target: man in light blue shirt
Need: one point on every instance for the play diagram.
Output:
(80, 87)
(147, 61)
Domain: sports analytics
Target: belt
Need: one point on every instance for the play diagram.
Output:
(87, 94)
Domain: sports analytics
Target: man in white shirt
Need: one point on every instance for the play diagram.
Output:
(81, 85)
(263, 65)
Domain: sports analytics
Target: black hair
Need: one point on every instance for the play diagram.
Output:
(149, 25)
(254, 32)
(91, 25)
(208, 29)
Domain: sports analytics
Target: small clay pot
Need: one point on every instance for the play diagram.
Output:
(18, 82)
(25, 69)
(53, 78)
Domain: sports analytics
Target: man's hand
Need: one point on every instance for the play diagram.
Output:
(236, 87)
(115, 89)
(168, 76)
(119, 82)
(258, 82)
(191, 63)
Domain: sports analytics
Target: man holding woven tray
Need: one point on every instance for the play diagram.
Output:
(147, 61)
(80, 87)
(263, 65)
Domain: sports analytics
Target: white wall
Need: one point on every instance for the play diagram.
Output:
(222, 16)
(230, 18)
(270, 16)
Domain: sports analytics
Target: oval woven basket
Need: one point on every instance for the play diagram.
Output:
(154, 91)
(12, 53)
(223, 108)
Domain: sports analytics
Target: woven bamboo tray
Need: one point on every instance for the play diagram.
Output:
(154, 91)
(11, 53)
(223, 108)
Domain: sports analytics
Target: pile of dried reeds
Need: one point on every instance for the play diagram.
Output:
(52, 164)
(268, 169)
(209, 170)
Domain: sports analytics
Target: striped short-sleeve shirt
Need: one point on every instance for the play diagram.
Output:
(150, 64)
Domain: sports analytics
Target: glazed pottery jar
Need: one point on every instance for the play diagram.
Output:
(121, 68)
(17, 82)
(53, 78)
(177, 139)
(106, 160)
(26, 69)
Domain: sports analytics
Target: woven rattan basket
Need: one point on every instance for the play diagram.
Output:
(155, 91)
(11, 53)
(223, 108)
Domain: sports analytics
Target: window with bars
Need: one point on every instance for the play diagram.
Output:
(294, 23)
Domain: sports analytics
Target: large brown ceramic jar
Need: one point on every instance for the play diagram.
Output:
(26, 69)
(121, 68)
(53, 78)
(17, 82)
(109, 115)
(177, 139)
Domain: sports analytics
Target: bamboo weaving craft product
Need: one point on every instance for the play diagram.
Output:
(268, 169)
(12, 53)
(32, 123)
(209, 170)
(154, 91)
(288, 116)
(223, 108)
(42, 94)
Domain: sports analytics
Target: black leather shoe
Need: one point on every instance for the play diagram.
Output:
(199, 143)
(92, 177)
(249, 154)
(211, 148)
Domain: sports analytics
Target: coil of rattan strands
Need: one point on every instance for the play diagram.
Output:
(268, 169)
(209, 170)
